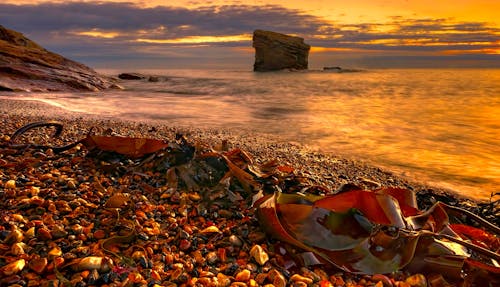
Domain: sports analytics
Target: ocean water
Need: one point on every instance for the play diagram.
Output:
(438, 126)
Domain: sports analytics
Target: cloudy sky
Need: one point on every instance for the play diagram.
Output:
(217, 34)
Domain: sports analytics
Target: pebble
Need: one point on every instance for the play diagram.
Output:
(55, 252)
(13, 268)
(223, 280)
(382, 278)
(416, 280)
(277, 278)
(38, 264)
(235, 240)
(300, 278)
(99, 234)
(10, 184)
(243, 276)
(259, 255)
(17, 248)
(15, 236)
(210, 229)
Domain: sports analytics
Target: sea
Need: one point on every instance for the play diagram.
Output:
(439, 126)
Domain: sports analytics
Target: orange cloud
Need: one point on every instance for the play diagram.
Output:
(198, 39)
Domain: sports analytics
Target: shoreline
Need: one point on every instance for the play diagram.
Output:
(343, 169)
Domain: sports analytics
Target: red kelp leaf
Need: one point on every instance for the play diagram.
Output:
(377, 207)
(407, 199)
(346, 239)
(131, 147)
(267, 212)
(366, 232)
(477, 236)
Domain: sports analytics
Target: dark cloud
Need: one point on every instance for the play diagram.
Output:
(126, 17)
(54, 26)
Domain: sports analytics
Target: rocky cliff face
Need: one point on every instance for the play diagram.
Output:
(275, 51)
(26, 66)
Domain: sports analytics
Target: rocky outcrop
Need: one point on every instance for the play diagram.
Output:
(26, 66)
(341, 70)
(131, 76)
(275, 51)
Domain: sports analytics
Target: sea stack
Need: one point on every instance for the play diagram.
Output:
(276, 51)
(26, 66)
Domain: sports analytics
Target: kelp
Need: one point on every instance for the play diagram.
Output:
(358, 231)
(127, 146)
(382, 231)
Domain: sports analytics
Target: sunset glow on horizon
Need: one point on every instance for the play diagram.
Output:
(360, 28)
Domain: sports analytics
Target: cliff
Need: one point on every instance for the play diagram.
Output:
(26, 66)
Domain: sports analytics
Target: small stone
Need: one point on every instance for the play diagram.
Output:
(261, 278)
(417, 280)
(308, 273)
(223, 280)
(38, 264)
(194, 196)
(243, 276)
(99, 234)
(14, 267)
(17, 248)
(30, 233)
(71, 184)
(210, 229)
(235, 240)
(300, 278)
(34, 191)
(14, 236)
(58, 232)
(44, 234)
(184, 244)
(259, 254)
(382, 278)
(279, 280)
(212, 257)
(10, 184)
(53, 283)
(55, 252)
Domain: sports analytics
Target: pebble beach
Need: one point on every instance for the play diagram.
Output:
(65, 222)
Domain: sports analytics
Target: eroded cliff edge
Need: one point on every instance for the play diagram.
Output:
(26, 66)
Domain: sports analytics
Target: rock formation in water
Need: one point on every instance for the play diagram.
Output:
(26, 66)
(275, 51)
(131, 76)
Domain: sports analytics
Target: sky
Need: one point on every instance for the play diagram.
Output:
(218, 34)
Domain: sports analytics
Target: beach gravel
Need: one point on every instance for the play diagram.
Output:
(65, 222)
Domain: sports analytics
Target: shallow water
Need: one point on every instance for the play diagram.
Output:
(440, 126)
